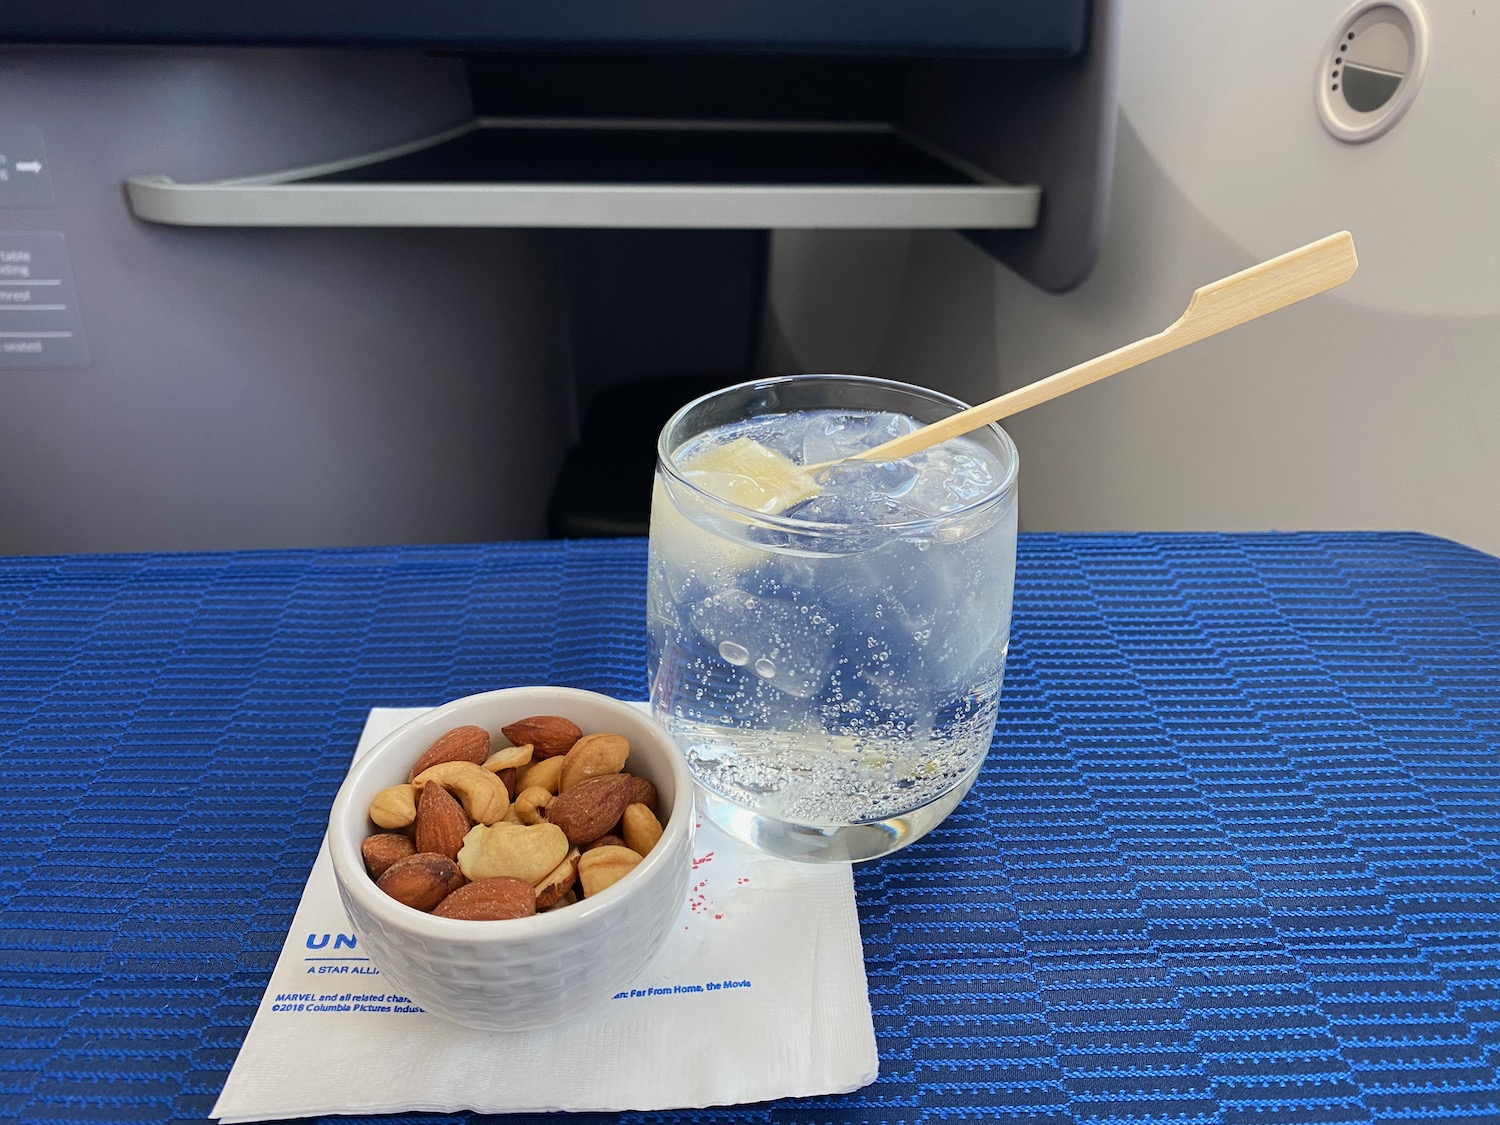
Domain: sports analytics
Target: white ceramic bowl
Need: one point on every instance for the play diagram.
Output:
(520, 973)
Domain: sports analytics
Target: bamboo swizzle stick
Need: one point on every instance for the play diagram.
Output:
(1227, 303)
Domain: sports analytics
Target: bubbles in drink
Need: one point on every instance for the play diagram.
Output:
(782, 645)
(836, 661)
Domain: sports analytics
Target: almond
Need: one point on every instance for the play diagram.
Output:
(549, 735)
(383, 849)
(593, 755)
(604, 867)
(490, 900)
(441, 823)
(508, 778)
(642, 792)
(591, 808)
(462, 744)
(421, 881)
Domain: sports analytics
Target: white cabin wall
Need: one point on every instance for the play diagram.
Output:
(1376, 406)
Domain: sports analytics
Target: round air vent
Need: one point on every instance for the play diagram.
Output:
(1372, 68)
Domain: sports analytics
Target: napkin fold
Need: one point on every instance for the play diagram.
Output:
(759, 993)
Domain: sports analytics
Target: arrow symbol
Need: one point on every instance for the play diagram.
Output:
(28, 166)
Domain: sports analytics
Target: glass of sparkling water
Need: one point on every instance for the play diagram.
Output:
(828, 649)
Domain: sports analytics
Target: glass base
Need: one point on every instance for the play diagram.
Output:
(810, 843)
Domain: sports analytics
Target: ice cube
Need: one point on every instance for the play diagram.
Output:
(870, 478)
(833, 436)
(905, 612)
(856, 510)
(950, 476)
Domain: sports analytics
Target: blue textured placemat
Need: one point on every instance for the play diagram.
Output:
(1232, 860)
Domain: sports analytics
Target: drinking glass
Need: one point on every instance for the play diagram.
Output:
(832, 670)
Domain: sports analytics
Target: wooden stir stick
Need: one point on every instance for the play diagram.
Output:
(1285, 280)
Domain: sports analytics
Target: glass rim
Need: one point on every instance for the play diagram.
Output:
(1004, 488)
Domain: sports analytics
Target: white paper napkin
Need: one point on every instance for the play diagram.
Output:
(758, 994)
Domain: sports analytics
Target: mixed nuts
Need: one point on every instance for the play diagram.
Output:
(486, 833)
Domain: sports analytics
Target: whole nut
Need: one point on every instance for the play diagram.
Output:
(531, 804)
(395, 807)
(526, 851)
(483, 794)
(642, 792)
(549, 735)
(383, 849)
(462, 744)
(441, 824)
(608, 840)
(640, 828)
(604, 867)
(544, 774)
(593, 755)
(509, 758)
(591, 808)
(490, 900)
(552, 888)
(421, 881)
(508, 778)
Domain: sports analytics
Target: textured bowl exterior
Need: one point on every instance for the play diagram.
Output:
(522, 973)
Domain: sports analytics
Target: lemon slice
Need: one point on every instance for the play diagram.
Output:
(750, 475)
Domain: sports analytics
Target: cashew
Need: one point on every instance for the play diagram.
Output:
(545, 773)
(593, 755)
(599, 868)
(395, 807)
(640, 828)
(526, 851)
(559, 882)
(482, 794)
(509, 758)
(531, 804)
